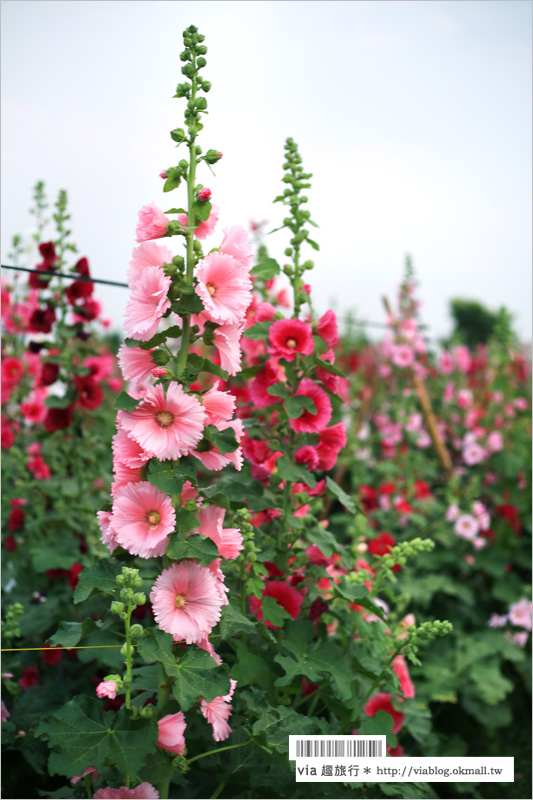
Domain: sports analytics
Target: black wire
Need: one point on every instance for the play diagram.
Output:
(73, 276)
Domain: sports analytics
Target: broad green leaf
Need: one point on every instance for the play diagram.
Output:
(334, 489)
(169, 476)
(358, 593)
(214, 369)
(126, 403)
(198, 675)
(266, 269)
(297, 404)
(224, 441)
(81, 733)
(157, 647)
(273, 612)
(186, 521)
(288, 471)
(61, 402)
(279, 390)
(202, 549)
(188, 303)
(53, 554)
(233, 622)
(325, 660)
(380, 724)
(250, 667)
(100, 577)
(258, 331)
(277, 724)
(69, 633)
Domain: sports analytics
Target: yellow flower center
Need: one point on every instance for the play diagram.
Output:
(291, 343)
(164, 418)
(179, 601)
(210, 289)
(154, 518)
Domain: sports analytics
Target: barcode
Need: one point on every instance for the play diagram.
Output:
(339, 748)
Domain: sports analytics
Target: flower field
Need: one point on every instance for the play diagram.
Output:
(243, 520)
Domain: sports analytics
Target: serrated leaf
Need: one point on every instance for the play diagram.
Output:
(169, 476)
(250, 667)
(69, 633)
(288, 471)
(266, 269)
(273, 612)
(126, 403)
(100, 577)
(199, 676)
(202, 549)
(297, 404)
(258, 331)
(201, 211)
(380, 724)
(233, 622)
(156, 647)
(277, 724)
(186, 521)
(224, 441)
(335, 490)
(188, 304)
(327, 659)
(47, 554)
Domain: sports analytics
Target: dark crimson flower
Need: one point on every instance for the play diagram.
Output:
(273, 570)
(74, 574)
(82, 268)
(509, 513)
(285, 596)
(381, 545)
(79, 290)
(91, 393)
(54, 574)
(318, 607)
(16, 519)
(36, 347)
(10, 544)
(51, 655)
(368, 498)
(307, 688)
(58, 418)
(49, 373)
(42, 319)
(382, 702)
(89, 310)
(8, 435)
(30, 676)
(48, 251)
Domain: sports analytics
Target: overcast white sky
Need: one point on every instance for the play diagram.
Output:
(414, 117)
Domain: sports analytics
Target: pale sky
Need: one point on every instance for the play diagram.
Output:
(414, 118)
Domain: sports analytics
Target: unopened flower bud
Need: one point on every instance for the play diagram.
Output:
(136, 631)
(177, 135)
(212, 156)
(163, 175)
(204, 194)
(158, 372)
(117, 607)
(139, 598)
(206, 86)
(147, 711)
(201, 62)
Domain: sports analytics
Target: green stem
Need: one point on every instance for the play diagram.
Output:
(129, 656)
(164, 789)
(218, 789)
(163, 692)
(380, 676)
(218, 750)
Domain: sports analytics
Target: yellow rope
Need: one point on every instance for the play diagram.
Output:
(80, 647)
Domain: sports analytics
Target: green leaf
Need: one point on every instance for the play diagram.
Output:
(202, 549)
(266, 269)
(201, 211)
(214, 369)
(61, 402)
(288, 471)
(233, 622)
(250, 372)
(53, 554)
(69, 633)
(323, 364)
(380, 724)
(177, 549)
(279, 390)
(126, 403)
(277, 724)
(188, 303)
(324, 540)
(156, 647)
(249, 667)
(169, 476)
(224, 441)
(82, 733)
(258, 331)
(335, 490)
(358, 593)
(273, 612)
(313, 244)
(186, 521)
(199, 676)
(100, 577)
(297, 404)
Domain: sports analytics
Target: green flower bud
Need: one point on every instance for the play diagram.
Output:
(288, 251)
(159, 357)
(206, 86)
(126, 594)
(201, 62)
(139, 599)
(212, 156)
(120, 579)
(202, 50)
(188, 70)
(183, 164)
(136, 631)
(185, 55)
(147, 711)
(116, 607)
(177, 135)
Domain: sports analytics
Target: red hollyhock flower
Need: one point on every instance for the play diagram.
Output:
(82, 268)
(404, 507)
(510, 513)
(16, 519)
(285, 596)
(49, 373)
(381, 545)
(10, 544)
(291, 336)
(331, 442)
(74, 575)
(12, 369)
(30, 676)
(42, 319)
(258, 387)
(89, 310)
(327, 328)
(273, 570)
(422, 490)
(307, 688)
(58, 418)
(387, 488)
(51, 655)
(382, 702)
(91, 393)
(312, 422)
(368, 498)
(318, 607)
(48, 251)
(79, 290)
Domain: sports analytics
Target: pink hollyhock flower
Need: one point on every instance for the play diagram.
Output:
(452, 513)
(147, 254)
(236, 243)
(289, 337)
(108, 537)
(520, 613)
(326, 328)
(497, 621)
(127, 451)
(495, 441)
(228, 540)
(101, 366)
(521, 403)
(473, 453)
(166, 427)
(224, 288)
(144, 791)
(282, 298)
(382, 702)
(466, 526)
(265, 312)
(206, 228)
(152, 223)
(34, 409)
(107, 689)
(186, 601)
(423, 440)
(39, 469)
(399, 666)
(479, 542)
(402, 355)
(123, 475)
(5, 712)
(219, 406)
(226, 341)
(217, 713)
(309, 422)
(143, 517)
(285, 596)
(519, 638)
(414, 423)
(307, 455)
(147, 304)
(135, 363)
(213, 459)
(171, 730)
(206, 645)
(88, 771)
(462, 358)
(446, 364)
(12, 370)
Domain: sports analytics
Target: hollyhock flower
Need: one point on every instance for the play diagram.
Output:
(402, 355)
(206, 645)
(16, 520)
(38, 468)
(423, 440)
(58, 418)
(51, 655)
(49, 373)
(12, 369)
(226, 341)
(166, 427)
(466, 526)
(495, 441)
(171, 730)
(224, 288)
(282, 298)
(91, 394)
(473, 453)
(382, 702)
(414, 423)
(260, 385)
(78, 290)
(237, 244)
(107, 689)
(331, 442)
(285, 596)
(8, 435)
(147, 304)
(186, 601)
(326, 328)
(520, 613)
(289, 337)
(309, 422)
(5, 712)
(89, 771)
(521, 403)
(479, 542)
(127, 451)
(147, 254)
(399, 666)
(307, 455)
(228, 540)
(381, 545)
(33, 409)
(452, 513)
(42, 319)
(143, 517)
(144, 791)
(206, 228)
(265, 312)
(152, 223)
(30, 677)
(219, 406)
(519, 638)
(108, 537)
(462, 358)
(74, 575)
(498, 621)
(217, 712)
(135, 363)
